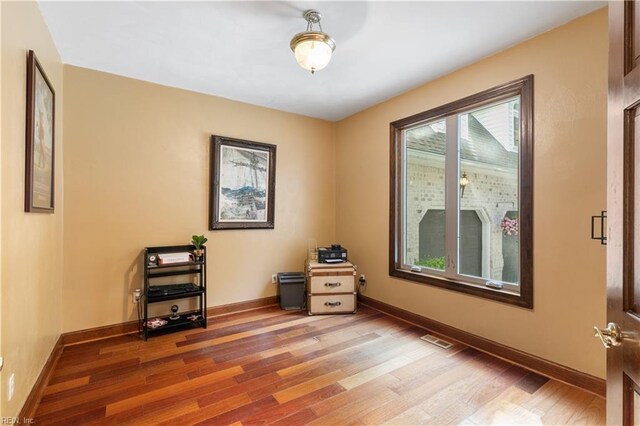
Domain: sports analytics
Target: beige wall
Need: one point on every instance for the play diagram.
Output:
(570, 68)
(31, 262)
(137, 174)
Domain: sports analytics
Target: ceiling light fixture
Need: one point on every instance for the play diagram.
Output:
(313, 49)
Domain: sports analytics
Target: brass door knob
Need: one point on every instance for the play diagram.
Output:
(610, 336)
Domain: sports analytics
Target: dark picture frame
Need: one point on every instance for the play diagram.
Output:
(40, 140)
(242, 184)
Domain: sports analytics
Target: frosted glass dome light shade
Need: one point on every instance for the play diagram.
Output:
(312, 50)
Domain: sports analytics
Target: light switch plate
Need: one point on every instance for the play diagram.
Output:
(1, 362)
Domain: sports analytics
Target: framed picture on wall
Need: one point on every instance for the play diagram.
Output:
(242, 184)
(40, 143)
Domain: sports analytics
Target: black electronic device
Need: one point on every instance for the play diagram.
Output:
(172, 289)
(334, 254)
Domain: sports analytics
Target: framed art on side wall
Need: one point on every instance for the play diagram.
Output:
(40, 144)
(242, 184)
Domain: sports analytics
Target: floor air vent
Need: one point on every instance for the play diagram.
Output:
(438, 342)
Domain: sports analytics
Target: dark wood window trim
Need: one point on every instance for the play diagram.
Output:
(524, 88)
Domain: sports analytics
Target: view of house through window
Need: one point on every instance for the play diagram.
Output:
(459, 196)
(488, 155)
(425, 189)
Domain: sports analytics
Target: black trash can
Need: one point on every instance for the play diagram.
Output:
(291, 286)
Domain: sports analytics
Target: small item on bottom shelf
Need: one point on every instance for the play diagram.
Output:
(174, 316)
(155, 323)
(193, 317)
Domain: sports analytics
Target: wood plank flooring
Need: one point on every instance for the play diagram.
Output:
(269, 366)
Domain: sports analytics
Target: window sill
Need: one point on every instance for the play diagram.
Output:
(521, 300)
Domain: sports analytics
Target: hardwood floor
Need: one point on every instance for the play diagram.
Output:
(269, 366)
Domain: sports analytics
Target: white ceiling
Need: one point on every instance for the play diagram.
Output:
(240, 50)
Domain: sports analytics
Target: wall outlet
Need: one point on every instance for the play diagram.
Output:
(11, 386)
(274, 278)
(137, 294)
(362, 278)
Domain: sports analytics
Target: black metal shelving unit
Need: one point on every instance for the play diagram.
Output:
(198, 289)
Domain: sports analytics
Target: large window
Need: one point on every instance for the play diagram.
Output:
(462, 195)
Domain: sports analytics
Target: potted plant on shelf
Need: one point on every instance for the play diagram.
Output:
(198, 241)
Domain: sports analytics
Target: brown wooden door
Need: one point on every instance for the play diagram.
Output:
(623, 204)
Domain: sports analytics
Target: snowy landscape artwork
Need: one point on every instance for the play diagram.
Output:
(243, 190)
